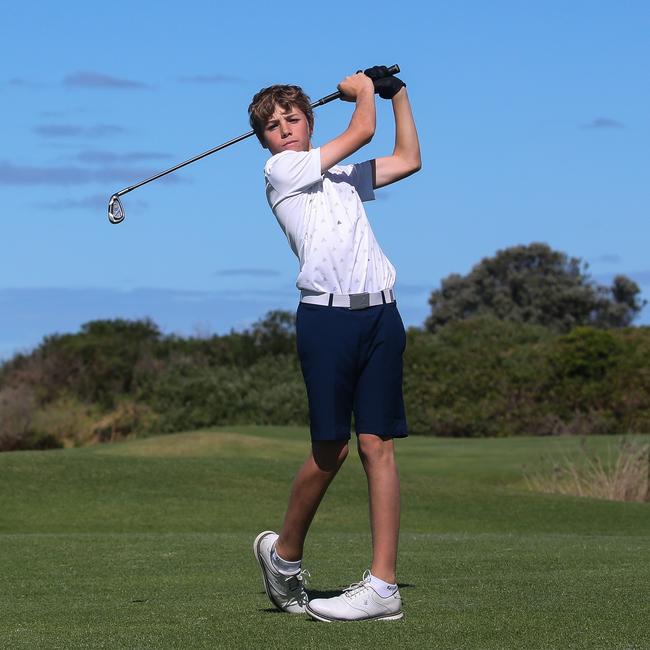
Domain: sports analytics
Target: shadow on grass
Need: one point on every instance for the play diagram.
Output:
(271, 610)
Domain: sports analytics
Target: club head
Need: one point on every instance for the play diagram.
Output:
(115, 210)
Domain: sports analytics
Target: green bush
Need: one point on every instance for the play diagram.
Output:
(96, 365)
(476, 377)
(268, 392)
(486, 377)
(471, 377)
(40, 440)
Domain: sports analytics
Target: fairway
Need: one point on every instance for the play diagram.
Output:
(147, 544)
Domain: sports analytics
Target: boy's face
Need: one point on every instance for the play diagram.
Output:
(287, 131)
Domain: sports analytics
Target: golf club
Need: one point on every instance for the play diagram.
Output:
(116, 212)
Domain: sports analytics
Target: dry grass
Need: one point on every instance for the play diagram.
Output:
(205, 443)
(623, 474)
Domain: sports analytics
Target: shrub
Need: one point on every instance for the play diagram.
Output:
(127, 419)
(67, 420)
(472, 378)
(98, 364)
(16, 409)
(17, 427)
(268, 392)
(623, 476)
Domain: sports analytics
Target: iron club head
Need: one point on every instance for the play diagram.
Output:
(115, 210)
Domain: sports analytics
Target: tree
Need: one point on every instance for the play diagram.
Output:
(534, 284)
(619, 304)
(276, 332)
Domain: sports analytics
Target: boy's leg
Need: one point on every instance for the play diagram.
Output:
(378, 458)
(376, 597)
(325, 345)
(307, 491)
(283, 582)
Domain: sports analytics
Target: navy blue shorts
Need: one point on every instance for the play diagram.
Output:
(351, 360)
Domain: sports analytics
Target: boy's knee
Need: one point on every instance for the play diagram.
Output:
(329, 456)
(373, 448)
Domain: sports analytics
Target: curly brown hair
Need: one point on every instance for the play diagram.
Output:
(285, 96)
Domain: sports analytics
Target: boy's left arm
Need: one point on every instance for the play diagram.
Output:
(405, 159)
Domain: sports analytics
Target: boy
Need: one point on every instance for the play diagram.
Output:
(350, 336)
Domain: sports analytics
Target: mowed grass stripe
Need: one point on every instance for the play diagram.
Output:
(126, 546)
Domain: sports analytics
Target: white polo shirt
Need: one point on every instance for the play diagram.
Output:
(323, 218)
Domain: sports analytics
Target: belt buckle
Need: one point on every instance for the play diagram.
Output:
(359, 300)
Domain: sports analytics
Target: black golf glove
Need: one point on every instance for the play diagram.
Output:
(376, 72)
(388, 87)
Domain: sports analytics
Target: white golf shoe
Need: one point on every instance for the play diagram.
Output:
(285, 592)
(359, 602)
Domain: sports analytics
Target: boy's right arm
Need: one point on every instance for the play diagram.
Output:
(360, 89)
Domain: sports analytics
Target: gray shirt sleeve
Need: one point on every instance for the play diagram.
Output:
(360, 176)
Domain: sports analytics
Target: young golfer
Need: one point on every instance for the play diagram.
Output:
(350, 336)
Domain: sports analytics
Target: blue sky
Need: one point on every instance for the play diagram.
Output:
(534, 120)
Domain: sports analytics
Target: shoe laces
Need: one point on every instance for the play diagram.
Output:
(297, 583)
(358, 587)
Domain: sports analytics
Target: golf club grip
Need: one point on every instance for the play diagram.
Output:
(392, 70)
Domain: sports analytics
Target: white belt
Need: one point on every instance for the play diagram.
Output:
(351, 301)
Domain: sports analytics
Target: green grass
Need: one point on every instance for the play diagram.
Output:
(147, 544)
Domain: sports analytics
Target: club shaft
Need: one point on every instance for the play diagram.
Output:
(126, 190)
(323, 100)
